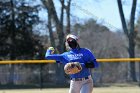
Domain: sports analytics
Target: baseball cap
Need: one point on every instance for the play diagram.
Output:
(71, 36)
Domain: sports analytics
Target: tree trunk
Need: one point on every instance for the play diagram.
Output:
(59, 28)
(12, 47)
(68, 30)
(131, 41)
(122, 17)
(130, 35)
(50, 30)
(62, 13)
(132, 55)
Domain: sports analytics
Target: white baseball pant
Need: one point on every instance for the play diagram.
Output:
(83, 86)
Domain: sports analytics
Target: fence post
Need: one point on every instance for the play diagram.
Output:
(41, 79)
(139, 74)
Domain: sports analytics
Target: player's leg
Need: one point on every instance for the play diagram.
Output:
(75, 86)
(87, 87)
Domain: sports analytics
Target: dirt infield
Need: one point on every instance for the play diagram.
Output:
(65, 90)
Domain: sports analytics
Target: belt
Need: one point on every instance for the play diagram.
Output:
(81, 79)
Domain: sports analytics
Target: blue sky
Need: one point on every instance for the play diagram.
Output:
(104, 11)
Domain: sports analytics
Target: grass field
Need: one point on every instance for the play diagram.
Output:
(65, 90)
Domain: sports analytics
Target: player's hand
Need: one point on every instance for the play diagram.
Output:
(52, 49)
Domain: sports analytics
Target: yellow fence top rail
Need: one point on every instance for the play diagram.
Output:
(53, 61)
(26, 61)
(119, 60)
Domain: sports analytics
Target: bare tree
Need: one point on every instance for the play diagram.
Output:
(49, 4)
(62, 12)
(59, 26)
(130, 34)
(52, 40)
(68, 30)
(51, 36)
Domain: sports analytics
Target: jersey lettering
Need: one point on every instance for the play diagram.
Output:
(75, 56)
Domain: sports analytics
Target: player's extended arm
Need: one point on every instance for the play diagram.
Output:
(57, 57)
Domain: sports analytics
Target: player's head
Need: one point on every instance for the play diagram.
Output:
(71, 36)
(71, 41)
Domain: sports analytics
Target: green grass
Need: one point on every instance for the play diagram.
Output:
(65, 90)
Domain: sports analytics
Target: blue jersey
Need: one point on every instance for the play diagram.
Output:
(81, 55)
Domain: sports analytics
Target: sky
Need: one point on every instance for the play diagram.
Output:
(104, 11)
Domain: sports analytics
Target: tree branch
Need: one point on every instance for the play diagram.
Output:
(122, 17)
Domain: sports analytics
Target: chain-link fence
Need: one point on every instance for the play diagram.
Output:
(52, 75)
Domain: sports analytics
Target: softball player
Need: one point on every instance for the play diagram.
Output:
(80, 82)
